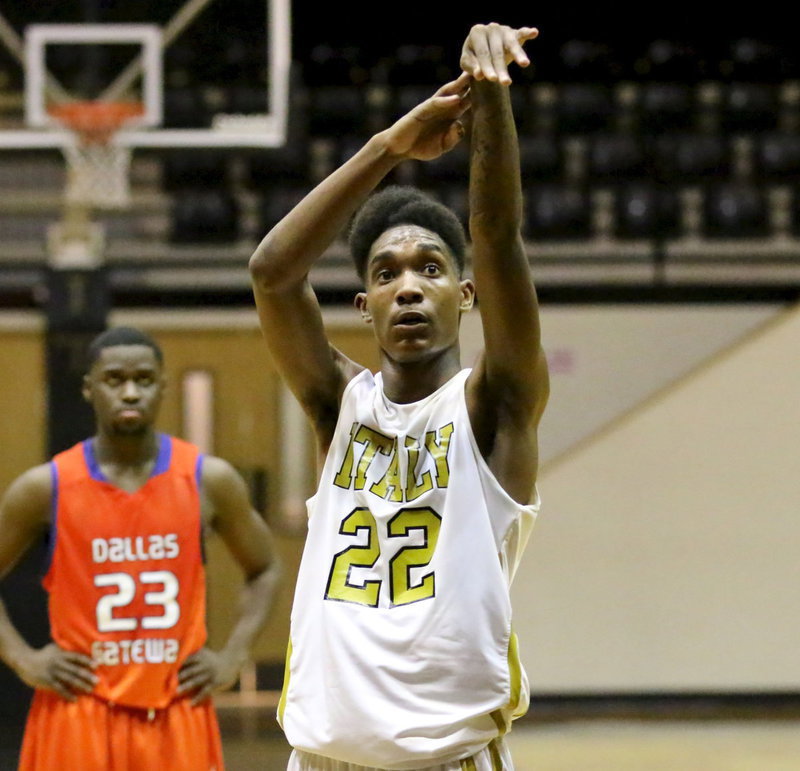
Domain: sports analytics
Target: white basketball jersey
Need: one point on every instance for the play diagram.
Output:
(401, 650)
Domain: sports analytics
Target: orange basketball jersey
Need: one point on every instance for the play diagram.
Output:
(126, 578)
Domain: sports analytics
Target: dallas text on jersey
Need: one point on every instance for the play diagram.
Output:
(161, 596)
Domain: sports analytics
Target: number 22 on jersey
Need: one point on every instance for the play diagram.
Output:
(403, 587)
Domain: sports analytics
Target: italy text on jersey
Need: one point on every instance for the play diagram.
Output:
(405, 544)
(391, 486)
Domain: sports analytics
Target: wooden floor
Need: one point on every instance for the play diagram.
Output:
(586, 745)
(660, 746)
(252, 742)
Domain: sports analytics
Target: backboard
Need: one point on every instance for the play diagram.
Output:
(208, 73)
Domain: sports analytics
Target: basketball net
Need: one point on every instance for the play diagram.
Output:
(98, 167)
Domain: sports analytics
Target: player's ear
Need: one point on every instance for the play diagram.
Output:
(361, 304)
(467, 295)
(86, 388)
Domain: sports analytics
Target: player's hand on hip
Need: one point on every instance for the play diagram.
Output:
(54, 669)
(490, 48)
(432, 127)
(205, 672)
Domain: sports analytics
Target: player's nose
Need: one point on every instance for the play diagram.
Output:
(409, 288)
(130, 391)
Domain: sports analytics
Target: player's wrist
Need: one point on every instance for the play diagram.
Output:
(233, 655)
(18, 658)
(386, 148)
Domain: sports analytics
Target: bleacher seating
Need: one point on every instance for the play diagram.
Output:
(662, 142)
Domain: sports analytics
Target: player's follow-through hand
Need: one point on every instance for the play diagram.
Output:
(432, 127)
(490, 48)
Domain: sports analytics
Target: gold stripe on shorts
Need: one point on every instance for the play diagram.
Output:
(497, 761)
(468, 764)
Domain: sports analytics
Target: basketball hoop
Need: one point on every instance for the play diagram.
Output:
(97, 166)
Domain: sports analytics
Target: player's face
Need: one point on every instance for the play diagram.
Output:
(414, 294)
(124, 387)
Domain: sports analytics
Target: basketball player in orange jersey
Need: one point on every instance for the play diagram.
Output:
(402, 654)
(126, 682)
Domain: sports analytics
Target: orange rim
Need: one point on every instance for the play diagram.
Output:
(95, 121)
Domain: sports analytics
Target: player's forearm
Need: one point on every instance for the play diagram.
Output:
(495, 191)
(290, 249)
(508, 302)
(255, 603)
(13, 647)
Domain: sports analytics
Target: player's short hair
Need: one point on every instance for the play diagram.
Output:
(121, 336)
(404, 205)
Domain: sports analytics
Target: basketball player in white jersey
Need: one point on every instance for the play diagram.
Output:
(402, 653)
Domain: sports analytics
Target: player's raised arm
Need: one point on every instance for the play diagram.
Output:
(288, 310)
(513, 373)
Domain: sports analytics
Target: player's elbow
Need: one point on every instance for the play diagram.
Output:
(270, 267)
(262, 262)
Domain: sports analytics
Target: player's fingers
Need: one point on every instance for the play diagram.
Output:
(193, 659)
(198, 680)
(78, 658)
(61, 689)
(454, 135)
(197, 660)
(467, 62)
(191, 671)
(459, 86)
(203, 694)
(440, 108)
(78, 667)
(192, 662)
(190, 684)
(456, 112)
(480, 50)
(497, 48)
(77, 677)
(513, 46)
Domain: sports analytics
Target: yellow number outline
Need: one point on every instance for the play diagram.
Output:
(401, 590)
(339, 587)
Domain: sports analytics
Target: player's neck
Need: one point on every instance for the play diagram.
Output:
(406, 382)
(130, 451)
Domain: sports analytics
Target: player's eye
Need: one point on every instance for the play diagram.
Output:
(432, 269)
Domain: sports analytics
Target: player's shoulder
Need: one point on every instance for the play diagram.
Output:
(35, 479)
(218, 476)
(32, 491)
(215, 467)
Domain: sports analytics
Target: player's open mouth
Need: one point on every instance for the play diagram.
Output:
(410, 319)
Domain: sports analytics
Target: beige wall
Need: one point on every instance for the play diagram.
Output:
(23, 389)
(665, 553)
(666, 556)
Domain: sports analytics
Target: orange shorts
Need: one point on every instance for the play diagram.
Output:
(92, 735)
